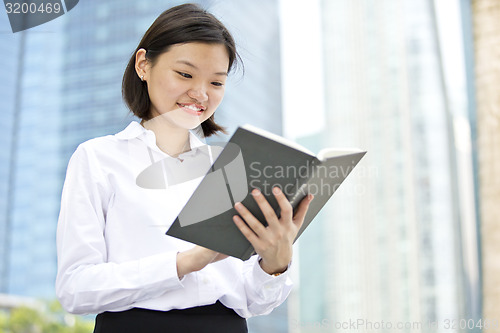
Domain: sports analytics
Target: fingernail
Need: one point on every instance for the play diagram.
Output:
(237, 205)
(276, 190)
(255, 192)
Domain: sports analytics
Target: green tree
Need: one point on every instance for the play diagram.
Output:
(3, 322)
(48, 318)
(26, 320)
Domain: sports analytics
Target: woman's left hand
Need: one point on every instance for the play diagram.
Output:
(274, 242)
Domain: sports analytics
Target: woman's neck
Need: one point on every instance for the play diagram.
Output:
(170, 139)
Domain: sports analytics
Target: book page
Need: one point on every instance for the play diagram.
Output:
(327, 153)
(277, 138)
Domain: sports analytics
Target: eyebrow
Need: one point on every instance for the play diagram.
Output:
(185, 62)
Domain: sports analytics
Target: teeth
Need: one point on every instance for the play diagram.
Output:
(192, 107)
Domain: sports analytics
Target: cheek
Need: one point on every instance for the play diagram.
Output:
(162, 90)
(217, 98)
(166, 89)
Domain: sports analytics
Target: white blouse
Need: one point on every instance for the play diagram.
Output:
(113, 254)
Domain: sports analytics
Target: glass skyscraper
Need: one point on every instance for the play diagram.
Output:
(30, 159)
(8, 96)
(389, 246)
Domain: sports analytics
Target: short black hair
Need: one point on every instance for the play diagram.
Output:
(180, 24)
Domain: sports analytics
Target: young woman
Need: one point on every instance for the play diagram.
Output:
(114, 258)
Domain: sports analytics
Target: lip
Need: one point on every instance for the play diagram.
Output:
(192, 108)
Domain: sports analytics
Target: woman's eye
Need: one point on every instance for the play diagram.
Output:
(217, 84)
(186, 75)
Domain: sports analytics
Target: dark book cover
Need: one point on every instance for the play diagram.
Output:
(255, 159)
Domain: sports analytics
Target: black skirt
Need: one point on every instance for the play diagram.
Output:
(208, 318)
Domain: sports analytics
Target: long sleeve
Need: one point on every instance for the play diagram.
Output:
(264, 291)
(86, 282)
(256, 292)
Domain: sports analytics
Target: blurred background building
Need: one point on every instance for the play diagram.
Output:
(31, 146)
(399, 241)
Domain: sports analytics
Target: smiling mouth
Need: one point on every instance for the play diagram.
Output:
(192, 108)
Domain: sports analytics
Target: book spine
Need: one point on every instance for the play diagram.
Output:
(248, 253)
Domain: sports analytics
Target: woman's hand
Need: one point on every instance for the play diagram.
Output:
(195, 259)
(274, 242)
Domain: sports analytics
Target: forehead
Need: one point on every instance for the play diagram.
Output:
(201, 55)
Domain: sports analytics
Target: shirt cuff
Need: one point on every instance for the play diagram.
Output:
(270, 286)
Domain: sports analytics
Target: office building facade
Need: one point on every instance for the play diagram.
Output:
(389, 248)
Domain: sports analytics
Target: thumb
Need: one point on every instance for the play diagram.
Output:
(299, 216)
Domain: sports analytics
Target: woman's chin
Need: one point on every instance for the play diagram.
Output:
(181, 119)
(188, 124)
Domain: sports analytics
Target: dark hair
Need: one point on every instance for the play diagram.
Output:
(181, 24)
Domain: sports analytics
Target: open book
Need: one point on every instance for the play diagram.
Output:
(254, 158)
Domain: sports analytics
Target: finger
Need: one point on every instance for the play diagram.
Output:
(285, 206)
(299, 216)
(246, 231)
(251, 221)
(265, 207)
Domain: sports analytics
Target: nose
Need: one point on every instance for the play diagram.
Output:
(199, 93)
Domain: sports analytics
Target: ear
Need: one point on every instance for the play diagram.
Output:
(141, 64)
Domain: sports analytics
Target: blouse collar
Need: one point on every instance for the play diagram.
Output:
(135, 130)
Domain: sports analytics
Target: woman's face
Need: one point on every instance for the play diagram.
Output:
(187, 83)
